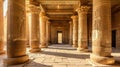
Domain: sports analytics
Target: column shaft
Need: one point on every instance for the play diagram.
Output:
(71, 33)
(75, 31)
(34, 29)
(43, 40)
(48, 32)
(16, 33)
(82, 29)
(101, 32)
(27, 28)
(1, 28)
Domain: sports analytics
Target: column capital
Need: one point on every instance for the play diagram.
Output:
(45, 17)
(74, 17)
(42, 13)
(83, 9)
(34, 9)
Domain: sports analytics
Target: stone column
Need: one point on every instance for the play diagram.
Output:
(48, 32)
(71, 33)
(75, 31)
(101, 32)
(16, 33)
(35, 10)
(43, 20)
(1, 29)
(82, 29)
(27, 26)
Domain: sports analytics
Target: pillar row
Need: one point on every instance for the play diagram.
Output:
(43, 22)
(101, 32)
(1, 29)
(82, 29)
(34, 39)
(75, 31)
(16, 31)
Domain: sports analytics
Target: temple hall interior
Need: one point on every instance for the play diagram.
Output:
(59, 33)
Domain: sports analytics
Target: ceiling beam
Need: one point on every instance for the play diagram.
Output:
(60, 2)
(58, 10)
(59, 13)
(59, 19)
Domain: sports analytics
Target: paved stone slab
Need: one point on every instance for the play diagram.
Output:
(60, 56)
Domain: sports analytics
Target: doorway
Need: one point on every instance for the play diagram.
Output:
(60, 35)
(114, 38)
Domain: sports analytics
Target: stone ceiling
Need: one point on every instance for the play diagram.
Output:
(59, 9)
(64, 9)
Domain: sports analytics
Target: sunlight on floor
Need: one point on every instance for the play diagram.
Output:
(59, 56)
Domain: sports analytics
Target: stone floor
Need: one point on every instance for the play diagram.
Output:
(62, 56)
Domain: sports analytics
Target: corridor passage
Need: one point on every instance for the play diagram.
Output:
(59, 56)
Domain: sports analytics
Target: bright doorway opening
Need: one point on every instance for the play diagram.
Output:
(59, 33)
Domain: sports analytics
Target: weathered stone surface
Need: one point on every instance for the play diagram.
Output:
(1, 29)
(48, 28)
(43, 22)
(34, 44)
(82, 28)
(16, 45)
(35, 47)
(71, 33)
(102, 59)
(101, 32)
(75, 31)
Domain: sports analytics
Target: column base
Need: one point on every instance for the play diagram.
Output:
(44, 46)
(102, 60)
(75, 46)
(2, 52)
(16, 60)
(35, 50)
(82, 50)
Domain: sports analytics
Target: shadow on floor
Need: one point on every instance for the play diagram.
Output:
(30, 63)
(117, 61)
(78, 56)
(62, 48)
(34, 64)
